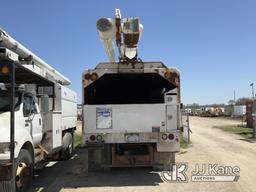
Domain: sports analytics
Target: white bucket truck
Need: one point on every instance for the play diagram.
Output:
(131, 108)
(44, 113)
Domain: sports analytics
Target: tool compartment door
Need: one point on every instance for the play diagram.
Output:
(171, 116)
(124, 118)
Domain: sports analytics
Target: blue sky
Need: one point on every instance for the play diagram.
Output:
(211, 42)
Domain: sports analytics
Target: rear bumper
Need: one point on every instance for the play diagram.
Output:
(163, 142)
(5, 167)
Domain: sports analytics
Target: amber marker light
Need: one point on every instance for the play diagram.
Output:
(5, 70)
(94, 76)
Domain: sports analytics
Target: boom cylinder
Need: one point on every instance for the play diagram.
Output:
(107, 31)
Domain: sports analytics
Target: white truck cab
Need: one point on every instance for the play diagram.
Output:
(27, 118)
(41, 132)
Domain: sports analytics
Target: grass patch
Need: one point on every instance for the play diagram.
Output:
(247, 133)
(183, 143)
(78, 141)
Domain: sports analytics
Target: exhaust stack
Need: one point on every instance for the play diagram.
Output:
(107, 31)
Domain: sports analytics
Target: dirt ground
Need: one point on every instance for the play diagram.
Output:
(209, 145)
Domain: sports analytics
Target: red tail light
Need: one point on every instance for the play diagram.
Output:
(171, 136)
(92, 137)
(87, 76)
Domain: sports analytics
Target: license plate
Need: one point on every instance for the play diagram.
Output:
(132, 137)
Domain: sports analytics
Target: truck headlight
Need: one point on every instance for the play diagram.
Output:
(4, 147)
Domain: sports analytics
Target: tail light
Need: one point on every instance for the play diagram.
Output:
(177, 80)
(172, 76)
(99, 138)
(171, 136)
(87, 76)
(4, 70)
(92, 137)
(164, 136)
(168, 74)
(94, 76)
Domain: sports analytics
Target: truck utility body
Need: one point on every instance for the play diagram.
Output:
(132, 105)
(32, 116)
(131, 108)
(37, 114)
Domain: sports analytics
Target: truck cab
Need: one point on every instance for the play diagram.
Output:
(41, 131)
(28, 120)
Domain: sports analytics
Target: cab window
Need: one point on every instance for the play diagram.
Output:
(29, 106)
(5, 101)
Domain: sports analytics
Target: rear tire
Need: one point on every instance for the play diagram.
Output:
(23, 171)
(67, 153)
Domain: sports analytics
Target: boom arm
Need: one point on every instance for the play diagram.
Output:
(8, 42)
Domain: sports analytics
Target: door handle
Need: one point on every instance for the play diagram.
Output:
(40, 121)
(26, 124)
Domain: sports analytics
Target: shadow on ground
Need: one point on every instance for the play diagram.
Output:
(55, 176)
(248, 140)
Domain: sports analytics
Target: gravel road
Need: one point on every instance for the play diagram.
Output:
(209, 145)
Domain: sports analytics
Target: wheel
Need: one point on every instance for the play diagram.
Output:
(66, 154)
(23, 171)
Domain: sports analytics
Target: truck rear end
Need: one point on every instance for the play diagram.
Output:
(131, 115)
(131, 108)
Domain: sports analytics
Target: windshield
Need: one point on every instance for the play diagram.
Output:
(5, 101)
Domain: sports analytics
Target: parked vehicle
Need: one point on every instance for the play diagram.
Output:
(131, 108)
(212, 112)
(45, 113)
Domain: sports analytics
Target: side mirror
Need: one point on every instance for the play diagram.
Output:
(181, 105)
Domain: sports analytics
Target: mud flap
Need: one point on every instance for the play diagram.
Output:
(5, 178)
(5, 172)
(95, 157)
(163, 160)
